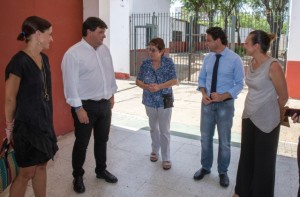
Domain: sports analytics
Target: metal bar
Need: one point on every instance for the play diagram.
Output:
(232, 37)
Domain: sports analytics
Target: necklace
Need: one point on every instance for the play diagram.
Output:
(36, 58)
(40, 63)
(44, 78)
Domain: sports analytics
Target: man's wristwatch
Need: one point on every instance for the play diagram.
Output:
(77, 108)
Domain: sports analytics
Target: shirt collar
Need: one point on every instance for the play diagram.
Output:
(85, 43)
(224, 51)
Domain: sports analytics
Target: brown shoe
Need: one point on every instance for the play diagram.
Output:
(153, 157)
(167, 165)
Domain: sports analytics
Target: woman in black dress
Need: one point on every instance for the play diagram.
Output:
(28, 107)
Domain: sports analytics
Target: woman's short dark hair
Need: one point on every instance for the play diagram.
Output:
(92, 23)
(217, 32)
(262, 38)
(31, 25)
(157, 42)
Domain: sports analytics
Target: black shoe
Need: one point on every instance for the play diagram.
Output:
(107, 176)
(200, 174)
(224, 180)
(78, 185)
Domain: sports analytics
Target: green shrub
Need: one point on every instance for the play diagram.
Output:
(240, 50)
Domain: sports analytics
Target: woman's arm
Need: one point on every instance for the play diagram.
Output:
(142, 84)
(168, 84)
(296, 118)
(278, 79)
(12, 85)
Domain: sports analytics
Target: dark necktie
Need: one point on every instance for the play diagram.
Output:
(215, 74)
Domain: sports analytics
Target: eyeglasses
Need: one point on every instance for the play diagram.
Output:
(153, 50)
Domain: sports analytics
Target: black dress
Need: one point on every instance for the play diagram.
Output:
(33, 133)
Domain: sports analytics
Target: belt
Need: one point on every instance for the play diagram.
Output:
(94, 101)
(228, 99)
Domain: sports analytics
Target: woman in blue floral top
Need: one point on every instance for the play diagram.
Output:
(156, 77)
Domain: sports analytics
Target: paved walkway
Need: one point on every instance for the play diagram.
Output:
(130, 144)
(130, 113)
(128, 159)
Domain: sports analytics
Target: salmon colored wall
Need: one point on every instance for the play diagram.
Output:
(66, 17)
(293, 78)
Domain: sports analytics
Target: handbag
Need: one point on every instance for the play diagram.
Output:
(284, 119)
(8, 165)
(168, 100)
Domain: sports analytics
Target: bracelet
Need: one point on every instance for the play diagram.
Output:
(77, 108)
(10, 125)
(8, 130)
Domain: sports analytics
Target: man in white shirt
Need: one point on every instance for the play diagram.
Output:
(89, 87)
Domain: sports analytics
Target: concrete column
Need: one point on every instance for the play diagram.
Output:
(115, 13)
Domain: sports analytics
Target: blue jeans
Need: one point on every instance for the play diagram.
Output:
(220, 114)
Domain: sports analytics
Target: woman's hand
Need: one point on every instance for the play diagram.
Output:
(154, 87)
(9, 128)
(295, 118)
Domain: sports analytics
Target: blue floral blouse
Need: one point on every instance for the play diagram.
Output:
(148, 75)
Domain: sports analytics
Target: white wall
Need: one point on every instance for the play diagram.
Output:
(104, 14)
(90, 8)
(149, 6)
(119, 34)
(294, 31)
(115, 13)
(98, 8)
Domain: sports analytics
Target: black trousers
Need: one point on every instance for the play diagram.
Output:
(298, 158)
(257, 164)
(99, 113)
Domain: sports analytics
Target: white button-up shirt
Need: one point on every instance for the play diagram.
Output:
(88, 73)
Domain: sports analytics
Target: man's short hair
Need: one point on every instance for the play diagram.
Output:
(217, 32)
(92, 23)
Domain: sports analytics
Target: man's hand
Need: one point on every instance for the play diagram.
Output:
(112, 101)
(82, 116)
(216, 97)
(206, 100)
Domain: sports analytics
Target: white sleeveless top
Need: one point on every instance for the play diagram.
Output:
(261, 104)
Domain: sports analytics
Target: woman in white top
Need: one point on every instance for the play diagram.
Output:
(267, 95)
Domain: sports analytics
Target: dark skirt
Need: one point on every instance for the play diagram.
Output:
(27, 155)
(32, 145)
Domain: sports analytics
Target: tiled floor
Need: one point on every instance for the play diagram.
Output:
(129, 149)
(128, 159)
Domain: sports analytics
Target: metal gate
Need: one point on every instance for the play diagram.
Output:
(184, 37)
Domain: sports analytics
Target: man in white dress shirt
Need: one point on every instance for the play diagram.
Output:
(89, 87)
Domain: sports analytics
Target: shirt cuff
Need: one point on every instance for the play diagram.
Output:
(74, 102)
